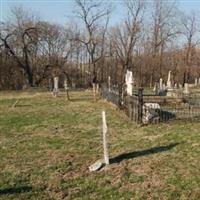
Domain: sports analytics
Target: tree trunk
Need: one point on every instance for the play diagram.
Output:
(30, 77)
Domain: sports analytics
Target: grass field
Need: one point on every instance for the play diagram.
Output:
(47, 145)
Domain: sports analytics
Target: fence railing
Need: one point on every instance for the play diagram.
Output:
(143, 108)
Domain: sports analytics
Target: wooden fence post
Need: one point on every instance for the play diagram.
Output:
(105, 142)
(140, 105)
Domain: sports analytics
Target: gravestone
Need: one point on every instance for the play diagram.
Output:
(66, 85)
(186, 88)
(161, 84)
(164, 86)
(171, 92)
(156, 88)
(97, 87)
(73, 85)
(196, 81)
(129, 82)
(109, 84)
(66, 88)
(180, 86)
(151, 113)
(162, 89)
(55, 90)
(169, 83)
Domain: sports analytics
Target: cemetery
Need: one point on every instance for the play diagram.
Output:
(168, 102)
(58, 146)
(99, 100)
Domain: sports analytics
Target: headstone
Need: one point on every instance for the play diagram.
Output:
(196, 81)
(97, 87)
(66, 85)
(180, 86)
(175, 86)
(151, 113)
(169, 83)
(156, 88)
(129, 82)
(164, 86)
(55, 90)
(162, 89)
(161, 84)
(73, 85)
(109, 84)
(186, 88)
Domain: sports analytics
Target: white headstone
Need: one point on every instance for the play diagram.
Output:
(196, 81)
(65, 84)
(186, 88)
(164, 86)
(180, 86)
(156, 88)
(129, 82)
(161, 84)
(169, 83)
(97, 87)
(109, 84)
(55, 89)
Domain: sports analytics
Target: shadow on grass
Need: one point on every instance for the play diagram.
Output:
(146, 152)
(15, 190)
(166, 116)
(23, 105)
(81, 99)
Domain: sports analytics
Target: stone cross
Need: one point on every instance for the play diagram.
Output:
(129, 82)
(169, 83)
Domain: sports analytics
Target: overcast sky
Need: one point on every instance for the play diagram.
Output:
(58, 11)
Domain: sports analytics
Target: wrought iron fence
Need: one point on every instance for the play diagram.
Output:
(143, 107)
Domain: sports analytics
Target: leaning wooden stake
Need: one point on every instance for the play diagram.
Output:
(105, 142)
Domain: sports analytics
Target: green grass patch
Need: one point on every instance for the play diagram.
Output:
(47, 145)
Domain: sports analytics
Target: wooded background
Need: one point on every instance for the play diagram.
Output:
(153, 38)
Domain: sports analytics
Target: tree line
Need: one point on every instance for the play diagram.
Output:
(152, 38)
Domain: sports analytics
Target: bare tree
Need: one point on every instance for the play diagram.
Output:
(190, 29)
(92, 14)
(20, 40)
(126, 35)
(164, 29)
